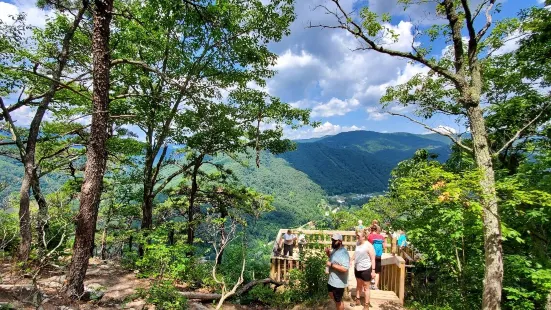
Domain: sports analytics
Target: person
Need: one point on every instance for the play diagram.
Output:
(364, 268)
(360, 226)
(379, 243)
(337, 267)
(402, 240)
(288, 242)
(376, 223)
(301, 242)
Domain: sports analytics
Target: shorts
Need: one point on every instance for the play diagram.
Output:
(365, 275)
(338, 292)
(288, 249)
(378, 266)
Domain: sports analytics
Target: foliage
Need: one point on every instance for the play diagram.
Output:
(162, 259)
(164, 296)
(307, 286)
(9, 228)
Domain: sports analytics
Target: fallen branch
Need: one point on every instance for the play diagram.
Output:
(247, 287)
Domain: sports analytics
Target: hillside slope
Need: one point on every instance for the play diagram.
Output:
(359, 161)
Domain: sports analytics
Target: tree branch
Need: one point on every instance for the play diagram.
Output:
(483, 31)
(12, 128)
(357, 31)
(520, 131)
(449, 135)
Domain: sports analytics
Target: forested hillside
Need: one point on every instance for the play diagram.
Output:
(359, 161)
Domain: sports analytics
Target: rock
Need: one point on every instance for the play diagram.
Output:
(95, 290)
(197, 306)
(95, 287)
(137, 304)
(55, 285)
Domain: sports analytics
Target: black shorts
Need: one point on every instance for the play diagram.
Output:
(378, 266)
(288, 249)
(338, 292)
(364, 274)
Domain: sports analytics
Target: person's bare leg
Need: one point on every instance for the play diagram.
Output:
(377, 281)
(340, 305)
(359, 288)
(367, 294)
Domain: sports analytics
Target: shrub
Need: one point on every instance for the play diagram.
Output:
(164, 296)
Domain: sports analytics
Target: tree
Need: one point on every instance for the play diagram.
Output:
(96, 155)
(206, 49)
(229, 128)
(17, 63)
(454, 85)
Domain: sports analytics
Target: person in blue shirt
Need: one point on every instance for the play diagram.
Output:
(402, 240)
(337, 267)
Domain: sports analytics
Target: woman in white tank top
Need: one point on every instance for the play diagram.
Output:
(364, 267)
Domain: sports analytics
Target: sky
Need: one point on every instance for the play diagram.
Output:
(318, 69)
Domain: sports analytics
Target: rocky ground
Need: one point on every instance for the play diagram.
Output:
(110, 287)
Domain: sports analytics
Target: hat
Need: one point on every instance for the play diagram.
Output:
(336, 236)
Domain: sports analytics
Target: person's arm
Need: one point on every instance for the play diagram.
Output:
(385, 244)
(337, 267)
(371, 253)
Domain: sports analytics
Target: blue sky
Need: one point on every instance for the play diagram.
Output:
(318, 70)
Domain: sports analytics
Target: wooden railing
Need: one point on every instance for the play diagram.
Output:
(393, 273)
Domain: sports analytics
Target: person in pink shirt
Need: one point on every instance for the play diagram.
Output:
(379, 243)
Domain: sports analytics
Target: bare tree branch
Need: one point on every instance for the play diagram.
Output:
(12, 128)
(520, 131)
(347, 23)
(449, 135)
(483, 31)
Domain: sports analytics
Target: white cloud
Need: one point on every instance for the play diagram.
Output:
(512, 42)
(290, 60)
(376, 114)
(320, 70)
(35, 16)
(325, 129)
(335, 107)
(6, 11)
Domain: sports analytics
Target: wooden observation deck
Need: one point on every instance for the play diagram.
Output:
(393, 274)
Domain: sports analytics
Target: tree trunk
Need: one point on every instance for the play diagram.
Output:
(104, 244)
(192, 194)
(25, 217)
(103, 250)
(42, 218)
(493, 275)
(96, 152)
(148, 184)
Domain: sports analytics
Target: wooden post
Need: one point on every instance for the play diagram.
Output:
(278, 270)
(273, 268)
(401, 292)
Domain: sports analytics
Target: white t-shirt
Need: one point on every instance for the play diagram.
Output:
(302, 239)
(289, 239)
(362, 261)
